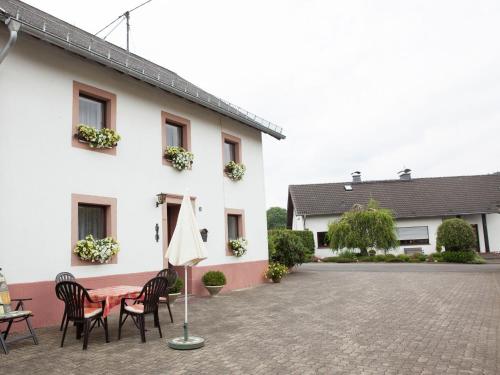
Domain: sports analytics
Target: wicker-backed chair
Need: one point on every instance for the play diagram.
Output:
(145, 303)
(171, 275)
(11, 316)
(64, 276)
(85, 318)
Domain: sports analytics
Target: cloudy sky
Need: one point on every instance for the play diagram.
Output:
(373, 86)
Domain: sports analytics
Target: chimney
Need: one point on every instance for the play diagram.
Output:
(356, 176)
(405, 174)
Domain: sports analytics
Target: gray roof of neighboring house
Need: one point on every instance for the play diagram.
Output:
(418, 197)
(62, 34)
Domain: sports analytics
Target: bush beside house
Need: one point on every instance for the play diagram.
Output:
(458, 239)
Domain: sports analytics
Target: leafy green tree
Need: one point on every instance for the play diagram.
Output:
(456, 235)
(364, 228)
(286, 247)
(276, 218)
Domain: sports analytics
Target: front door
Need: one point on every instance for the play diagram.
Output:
(476, 233)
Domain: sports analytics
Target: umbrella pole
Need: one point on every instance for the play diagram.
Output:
(185, 304)
(186, 342)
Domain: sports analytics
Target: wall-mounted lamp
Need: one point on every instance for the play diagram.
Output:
(160, 198)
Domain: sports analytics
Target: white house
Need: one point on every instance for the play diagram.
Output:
(55, 189)
(419, 205)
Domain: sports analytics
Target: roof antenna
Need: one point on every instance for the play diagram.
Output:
(124, 16)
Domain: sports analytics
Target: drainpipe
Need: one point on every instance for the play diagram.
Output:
(14, 27)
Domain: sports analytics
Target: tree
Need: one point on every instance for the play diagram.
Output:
(364, 228)
(276, 218)
(455, 235)
(286, 247)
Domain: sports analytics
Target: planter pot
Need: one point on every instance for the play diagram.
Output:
(173, 296)
(214, 290)
(277, 280)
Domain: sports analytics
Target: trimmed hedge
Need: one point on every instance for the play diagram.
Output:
(458, 256)
(306, 237)
(286, 247)
(455, 235)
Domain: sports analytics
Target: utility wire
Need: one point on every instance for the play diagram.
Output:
(114, 28)
(122, 15)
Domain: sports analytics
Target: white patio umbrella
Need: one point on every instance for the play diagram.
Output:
(186, 248)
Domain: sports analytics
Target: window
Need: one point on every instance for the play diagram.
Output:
(229, 152)
(174, 135)
(413, 235)
(321, 238)
(231, 148)
(92, 112)
(93, 107)
(175, 131)
(91, 220)
(91, 215)
(235, 226)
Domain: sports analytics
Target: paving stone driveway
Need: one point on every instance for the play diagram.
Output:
(322, 319)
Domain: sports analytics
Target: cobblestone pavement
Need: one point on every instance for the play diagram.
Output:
(322, 319)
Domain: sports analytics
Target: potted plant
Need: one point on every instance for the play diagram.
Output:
(180, 158)
(99, 251)
(275, 272)
(97, 138)
(214, 281)
(175, 290)
(235, 171)
(238, 247)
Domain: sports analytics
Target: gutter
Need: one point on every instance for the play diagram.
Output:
(14, 27)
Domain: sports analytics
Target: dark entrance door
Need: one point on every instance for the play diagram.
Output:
(172, 215)
(476, 233)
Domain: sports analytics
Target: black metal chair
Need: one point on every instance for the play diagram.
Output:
(171, 275)
(64, 276)
(85, 318)
(145, 303)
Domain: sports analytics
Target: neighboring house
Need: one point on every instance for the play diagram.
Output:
(419, 206)
(54, 189)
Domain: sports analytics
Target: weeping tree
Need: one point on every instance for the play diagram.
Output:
(364, 228)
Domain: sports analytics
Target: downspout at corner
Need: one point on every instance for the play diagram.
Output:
(14, 27)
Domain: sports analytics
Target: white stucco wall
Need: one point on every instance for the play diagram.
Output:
(39, 169)
(320, 224)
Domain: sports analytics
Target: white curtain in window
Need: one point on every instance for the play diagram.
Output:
(174, 135)
(232, 227)
(91, 112)
(229, 152)
(412, 233)
(91, 220)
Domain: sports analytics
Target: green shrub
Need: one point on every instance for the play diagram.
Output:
(286, 247)
(275, 271)
(478, 259)
(379, 258)
(177, 287)
(372, 252)
(394, 260)
(347, 254)
(366, 259)
(307, 239)
(389, 256)
(458, 256)
(415, 260)
(456, 235)
(214, 278)
(403, 257)
(435, 257)
(418, 257)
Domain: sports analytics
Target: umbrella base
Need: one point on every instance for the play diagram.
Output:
(193, 342)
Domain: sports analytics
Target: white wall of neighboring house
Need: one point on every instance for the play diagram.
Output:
(320, 223)
(39, 169)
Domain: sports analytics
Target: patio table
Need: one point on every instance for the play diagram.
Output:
(113, 296)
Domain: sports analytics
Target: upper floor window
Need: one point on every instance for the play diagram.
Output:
(95, 108)
(175, 135)
(418, 235)
(233, 227)
(231, 148)
(92, 112)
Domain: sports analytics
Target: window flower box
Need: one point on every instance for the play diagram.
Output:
(97, 138)
(179, 157)
(235, 171)
(238, 247)
(96, 251)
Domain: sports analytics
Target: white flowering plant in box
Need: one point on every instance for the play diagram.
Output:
(235, 171)
(238, 247)
(180, 158)
(96, 251)
(97, 138)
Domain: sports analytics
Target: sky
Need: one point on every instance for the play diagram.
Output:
(374, 86)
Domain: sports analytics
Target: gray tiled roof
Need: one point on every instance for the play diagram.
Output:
(62, 34)
(418, 197)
